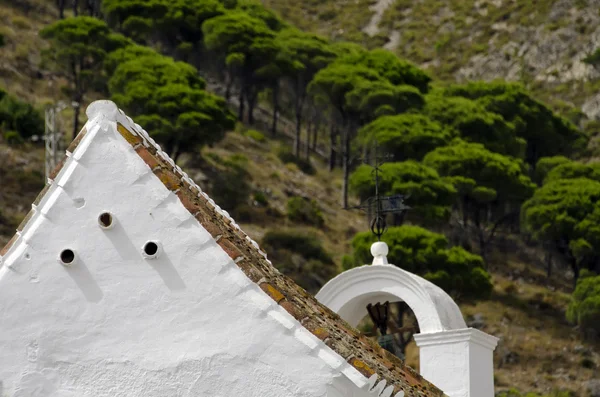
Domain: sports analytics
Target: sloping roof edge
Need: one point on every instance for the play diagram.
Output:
(358, 352)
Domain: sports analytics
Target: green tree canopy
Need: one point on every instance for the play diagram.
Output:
(545, 132)
(572, 170)
(249, 49)
(547, 164)
(330, 87)
(405, 136)
(332, 84)
(566, 212)
(307, 54)
(491, 186)
(78, 48)
(256, 9)
(475, 124)
(347, 48)
(387, 64)
(480, 174)
(431, 197)
(125, 54)
(372, 99)
(168, 98)
(417, 250)
(170, 22)
(584, 309)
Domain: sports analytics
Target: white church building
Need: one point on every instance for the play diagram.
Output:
(125, 279)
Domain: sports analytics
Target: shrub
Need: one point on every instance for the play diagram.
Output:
(18, 120)
(256, 135)
(300, 256)
(588, 363)
(286, 155)
(12, 138)
(260, 199)
(584, 309)
(306, 211)
(231, 186)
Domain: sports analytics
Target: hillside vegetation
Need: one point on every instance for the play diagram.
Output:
(540, 43)
(273, 123)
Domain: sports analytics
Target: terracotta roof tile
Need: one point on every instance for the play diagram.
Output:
(358, 351)
(76, 141)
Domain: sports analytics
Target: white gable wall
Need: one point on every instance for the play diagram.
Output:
(188, 323)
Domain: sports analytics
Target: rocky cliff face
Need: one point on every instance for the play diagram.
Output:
(550, 53)
(538, 42)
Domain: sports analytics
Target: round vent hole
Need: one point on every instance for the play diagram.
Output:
(151, 248)
(67, 256)
(105, 220)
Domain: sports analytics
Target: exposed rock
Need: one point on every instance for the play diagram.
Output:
(378, 9)
(591, 107)
(592, 387)
(584, 351)
(394, 41)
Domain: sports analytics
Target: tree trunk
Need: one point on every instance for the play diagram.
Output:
(228, 86)
(176, 155)
(251, 105)
(332, 152)
(75, 8)
(275, 109)
(480, 234)
(76, 119)
(241, 104)
(61, 8)
(297, 136)
(90, 7)
(548, 262)
(315, 136)
(298, 111)
(575, 268)
(309, 128)
(345, 165)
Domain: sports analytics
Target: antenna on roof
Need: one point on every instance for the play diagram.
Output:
(53, 136)
(380, 206)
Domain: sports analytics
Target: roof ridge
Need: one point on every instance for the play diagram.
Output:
(358, 353)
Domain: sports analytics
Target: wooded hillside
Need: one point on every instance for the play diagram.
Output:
(276, 122)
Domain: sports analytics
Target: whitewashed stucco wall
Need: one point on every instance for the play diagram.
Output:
(188, 323)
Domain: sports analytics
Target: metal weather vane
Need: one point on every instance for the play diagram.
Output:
(381, 205)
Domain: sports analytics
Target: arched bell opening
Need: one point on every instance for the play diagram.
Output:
(392, 325)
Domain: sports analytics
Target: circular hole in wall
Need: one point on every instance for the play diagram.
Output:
(151, 248)
(105, 220)
(27, 256)
(67, 256)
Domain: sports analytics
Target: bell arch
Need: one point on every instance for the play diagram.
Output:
(349, 293)
(457, 359)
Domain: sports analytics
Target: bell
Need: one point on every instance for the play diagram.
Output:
(389, 343)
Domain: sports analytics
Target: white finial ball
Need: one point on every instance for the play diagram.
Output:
(107, 108)
(379, 249)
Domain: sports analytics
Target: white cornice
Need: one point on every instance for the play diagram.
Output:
(454, 336)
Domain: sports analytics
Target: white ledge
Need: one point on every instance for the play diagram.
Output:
(458, 335)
